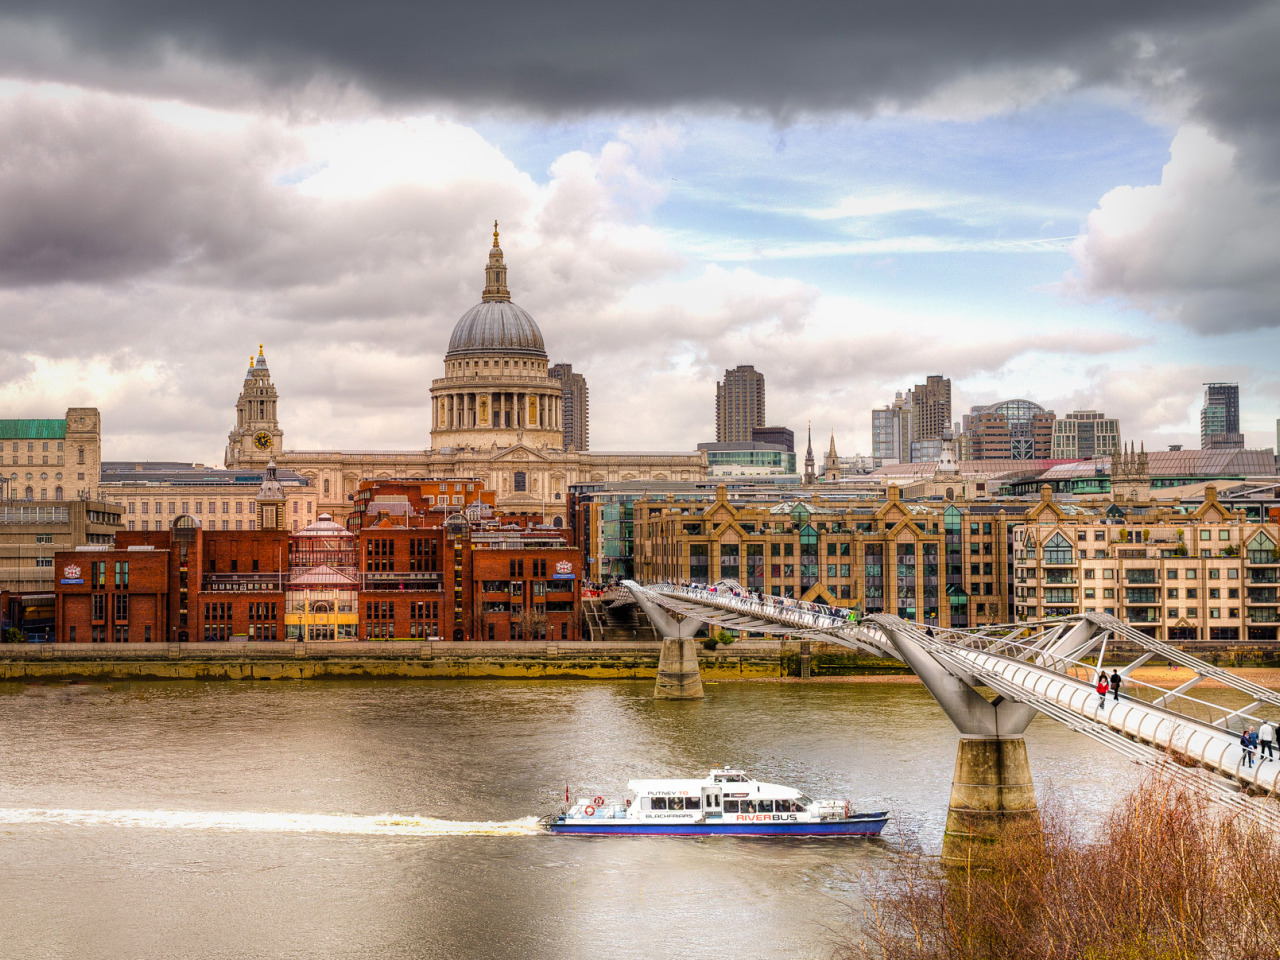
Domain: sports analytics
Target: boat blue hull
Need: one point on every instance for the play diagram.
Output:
(861, 827)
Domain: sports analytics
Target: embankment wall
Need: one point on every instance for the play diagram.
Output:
(397, 658)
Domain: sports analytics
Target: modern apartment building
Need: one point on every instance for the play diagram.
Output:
(1220, 417)
(739, 404)
(575, 408)
(1205, 575)
(1085, 434)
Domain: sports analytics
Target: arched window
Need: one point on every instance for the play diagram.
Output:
(57, 493)
(30, 494)
(521, 481)
(326, 487)
(558, 522)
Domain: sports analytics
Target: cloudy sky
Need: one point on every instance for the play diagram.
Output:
(1078, 204)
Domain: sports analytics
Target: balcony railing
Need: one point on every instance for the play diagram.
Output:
(1263, 615)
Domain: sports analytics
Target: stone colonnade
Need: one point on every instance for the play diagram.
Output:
(506, 410)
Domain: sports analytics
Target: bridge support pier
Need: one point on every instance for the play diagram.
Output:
(991, 792)
(679, 675)
(991, 789)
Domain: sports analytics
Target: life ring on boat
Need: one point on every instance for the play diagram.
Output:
(590, 811)
(598, 801)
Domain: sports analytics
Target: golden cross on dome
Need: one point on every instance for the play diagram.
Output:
(495, 233)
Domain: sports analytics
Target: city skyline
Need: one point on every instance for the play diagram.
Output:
(1049, 215)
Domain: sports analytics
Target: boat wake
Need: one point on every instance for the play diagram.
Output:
(247, 822)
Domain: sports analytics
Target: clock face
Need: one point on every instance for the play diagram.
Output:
(262, 440)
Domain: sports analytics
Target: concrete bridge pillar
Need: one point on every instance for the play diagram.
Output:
(679, 675)
(991, 792)
(991, 789)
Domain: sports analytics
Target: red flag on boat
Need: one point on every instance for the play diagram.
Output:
(566, 793)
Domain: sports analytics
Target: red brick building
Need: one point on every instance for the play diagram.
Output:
(461, 579)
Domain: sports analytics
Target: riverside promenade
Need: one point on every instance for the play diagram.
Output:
(749, 659)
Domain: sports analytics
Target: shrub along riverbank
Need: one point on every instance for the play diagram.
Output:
(1169, 876)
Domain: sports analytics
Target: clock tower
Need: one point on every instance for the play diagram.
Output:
(257, 436)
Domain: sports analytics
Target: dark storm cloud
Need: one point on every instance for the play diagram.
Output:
(575, 56)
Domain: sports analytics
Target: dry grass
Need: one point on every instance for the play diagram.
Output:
(1168, 877)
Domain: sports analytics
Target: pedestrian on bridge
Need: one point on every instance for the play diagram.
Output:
(1115, 684)
(1267, 738)
(1102, 689)
(1248, 740)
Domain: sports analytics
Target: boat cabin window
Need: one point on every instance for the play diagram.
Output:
(693, 803)
(729, 778)
(659, 803)
(765, 806)
(731, 806)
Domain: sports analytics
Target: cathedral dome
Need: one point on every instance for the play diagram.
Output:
(495, 324)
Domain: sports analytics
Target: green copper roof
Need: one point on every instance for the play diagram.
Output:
(33, 429)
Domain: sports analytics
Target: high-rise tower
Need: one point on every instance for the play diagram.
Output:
(1220, 418)
(739, 404)
(257, 436)
(574, 407)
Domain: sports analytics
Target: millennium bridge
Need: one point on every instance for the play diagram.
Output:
(1047, 666)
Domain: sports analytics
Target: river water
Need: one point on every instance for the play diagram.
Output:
(394, 819)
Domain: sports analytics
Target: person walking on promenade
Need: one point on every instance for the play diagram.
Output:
(1267, 739)
(1115, 684)
(1102, 689)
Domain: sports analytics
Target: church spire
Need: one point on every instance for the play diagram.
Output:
(810, 470)
(495, 274)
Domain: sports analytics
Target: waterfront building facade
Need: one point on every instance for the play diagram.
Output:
(1085, 434)
(1220, 417)
(460, 579)
(1204, 574)
(937, 562)
(575, 407)
(740, 404)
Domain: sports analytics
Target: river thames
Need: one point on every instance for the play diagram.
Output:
(393, 819)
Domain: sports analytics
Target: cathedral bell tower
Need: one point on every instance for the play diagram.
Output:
(257, 436)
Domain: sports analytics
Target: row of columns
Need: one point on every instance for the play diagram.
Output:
(461, 411)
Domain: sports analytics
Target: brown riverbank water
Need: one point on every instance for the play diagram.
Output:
(392, 818)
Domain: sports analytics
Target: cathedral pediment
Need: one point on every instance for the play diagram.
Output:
(519, 454)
